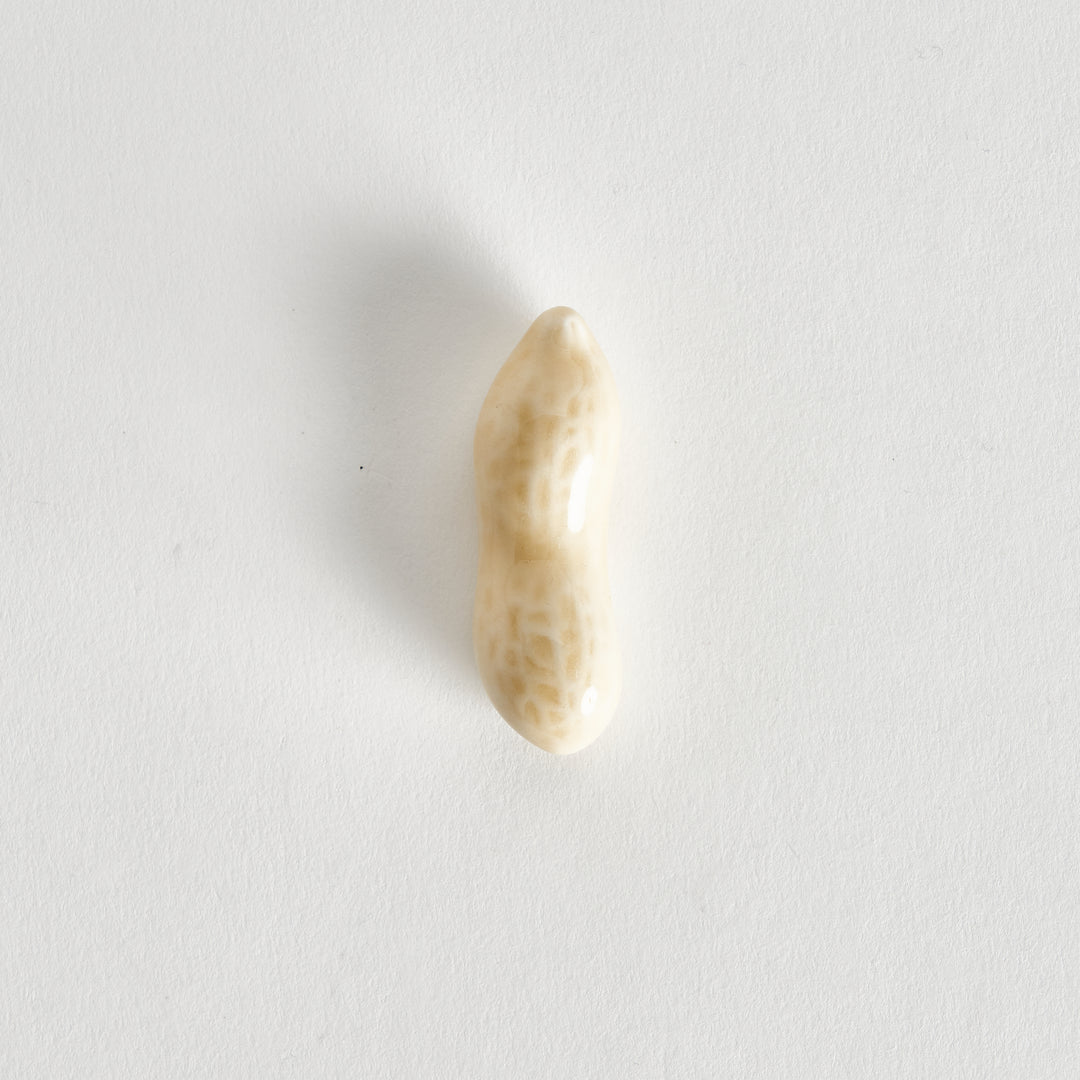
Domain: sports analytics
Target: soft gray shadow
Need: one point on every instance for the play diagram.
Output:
(414, 333)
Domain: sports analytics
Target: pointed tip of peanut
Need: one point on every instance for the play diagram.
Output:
(564, 326)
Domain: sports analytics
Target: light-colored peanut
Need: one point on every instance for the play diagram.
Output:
(545, 450)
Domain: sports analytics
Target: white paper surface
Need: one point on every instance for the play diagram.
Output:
(260, 264)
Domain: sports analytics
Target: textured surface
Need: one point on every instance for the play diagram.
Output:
(258, 266)
(545, 449)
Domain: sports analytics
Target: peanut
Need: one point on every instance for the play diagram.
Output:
(545, 449)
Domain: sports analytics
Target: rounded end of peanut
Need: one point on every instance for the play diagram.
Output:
(560, 732)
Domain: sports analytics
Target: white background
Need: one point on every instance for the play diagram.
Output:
(259, 264)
